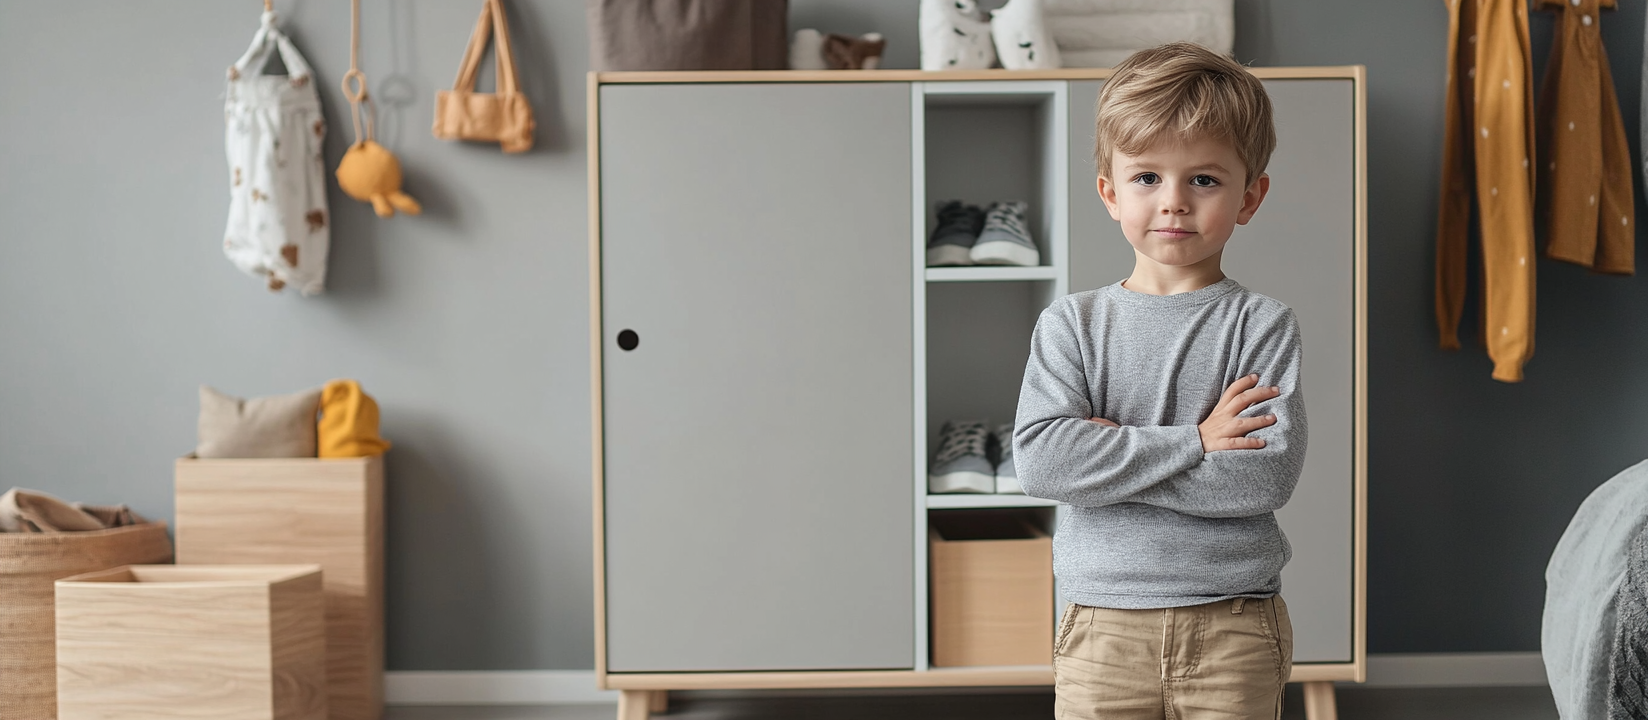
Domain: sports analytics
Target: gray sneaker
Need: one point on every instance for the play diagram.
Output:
(1005, 239)
(961, 465)
(1007, 477)
(953, 238)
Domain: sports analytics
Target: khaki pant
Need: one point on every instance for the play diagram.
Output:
(1226, 660)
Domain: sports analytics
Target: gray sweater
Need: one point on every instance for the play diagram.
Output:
(1155, 522)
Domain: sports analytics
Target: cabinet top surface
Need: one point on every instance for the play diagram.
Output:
(792, 76)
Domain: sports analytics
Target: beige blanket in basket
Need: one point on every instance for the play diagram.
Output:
(32, 511)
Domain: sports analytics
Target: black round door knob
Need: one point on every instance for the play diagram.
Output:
(627, 339)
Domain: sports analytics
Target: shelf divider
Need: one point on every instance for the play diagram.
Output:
(991, 273)
(985, 500)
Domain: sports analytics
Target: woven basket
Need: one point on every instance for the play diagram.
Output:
(30, 564)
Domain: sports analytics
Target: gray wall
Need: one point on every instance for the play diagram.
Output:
(470, 323)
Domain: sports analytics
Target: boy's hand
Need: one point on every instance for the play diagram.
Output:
(1225, 429)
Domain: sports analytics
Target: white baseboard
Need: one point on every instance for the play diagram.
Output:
(1456, 670)
(495, 687)
(577, 687)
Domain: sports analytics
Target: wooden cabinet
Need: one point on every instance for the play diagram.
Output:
(771, 358)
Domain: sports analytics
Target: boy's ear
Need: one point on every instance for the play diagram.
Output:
(1251, 199)
(1107, 193)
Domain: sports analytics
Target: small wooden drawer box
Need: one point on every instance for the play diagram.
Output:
(301, 510)
(164, 641)
(992, 589)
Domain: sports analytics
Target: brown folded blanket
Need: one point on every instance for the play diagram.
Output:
(29, 511)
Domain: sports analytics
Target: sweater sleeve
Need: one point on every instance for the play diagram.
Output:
(1061, 454)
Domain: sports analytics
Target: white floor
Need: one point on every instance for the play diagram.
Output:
(1505, 703)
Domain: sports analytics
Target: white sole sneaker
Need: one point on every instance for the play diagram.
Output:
(1002, 253)
(942, 255)
(961, 482)
(1008, 485)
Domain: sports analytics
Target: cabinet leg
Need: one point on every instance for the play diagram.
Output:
(1319, 701)
(659, 702)
(634, 704)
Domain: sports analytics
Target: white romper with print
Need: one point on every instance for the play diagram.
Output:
(278, 223)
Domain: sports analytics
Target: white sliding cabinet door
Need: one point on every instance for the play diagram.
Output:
(757, 329)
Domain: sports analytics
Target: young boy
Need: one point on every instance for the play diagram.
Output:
(1166, 411)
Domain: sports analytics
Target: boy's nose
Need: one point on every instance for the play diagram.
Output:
(1174, 202)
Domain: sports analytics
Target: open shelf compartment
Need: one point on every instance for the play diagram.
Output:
(980, 142)
(996, 141)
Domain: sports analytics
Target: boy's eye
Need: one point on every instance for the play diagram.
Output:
(1204, 181)
(1146, 179)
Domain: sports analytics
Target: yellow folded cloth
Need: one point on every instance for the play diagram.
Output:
(348, 422)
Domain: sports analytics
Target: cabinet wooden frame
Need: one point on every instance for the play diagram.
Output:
(1315, 672)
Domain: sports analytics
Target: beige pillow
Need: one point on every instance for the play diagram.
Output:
(265, 427)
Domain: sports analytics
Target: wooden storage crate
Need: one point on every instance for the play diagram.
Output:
(992, 589)
(29, 565)
(233, 642)
(301, 510)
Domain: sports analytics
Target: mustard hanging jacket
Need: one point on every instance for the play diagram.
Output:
(1487, 152)
(1585, 198)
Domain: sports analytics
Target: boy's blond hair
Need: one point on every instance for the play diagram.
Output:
(1182, 91)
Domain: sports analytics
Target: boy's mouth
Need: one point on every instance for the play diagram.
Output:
(1174, 232)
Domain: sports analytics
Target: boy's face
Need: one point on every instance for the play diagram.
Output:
(1178, 204)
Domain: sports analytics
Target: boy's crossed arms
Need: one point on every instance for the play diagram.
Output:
(1230, 464)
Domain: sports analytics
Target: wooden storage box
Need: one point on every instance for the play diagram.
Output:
(30, 563)
(992, 589)
(301, 510)
(164, 641)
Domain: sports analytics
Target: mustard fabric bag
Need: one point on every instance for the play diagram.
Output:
(348, 422)
(504, 117)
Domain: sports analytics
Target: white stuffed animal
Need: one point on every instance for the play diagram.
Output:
(1022, 40)
(955, 36)
(807, 51)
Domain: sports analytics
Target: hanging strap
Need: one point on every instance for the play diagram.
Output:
(268, 40)
(354, 81)
(492, 21)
